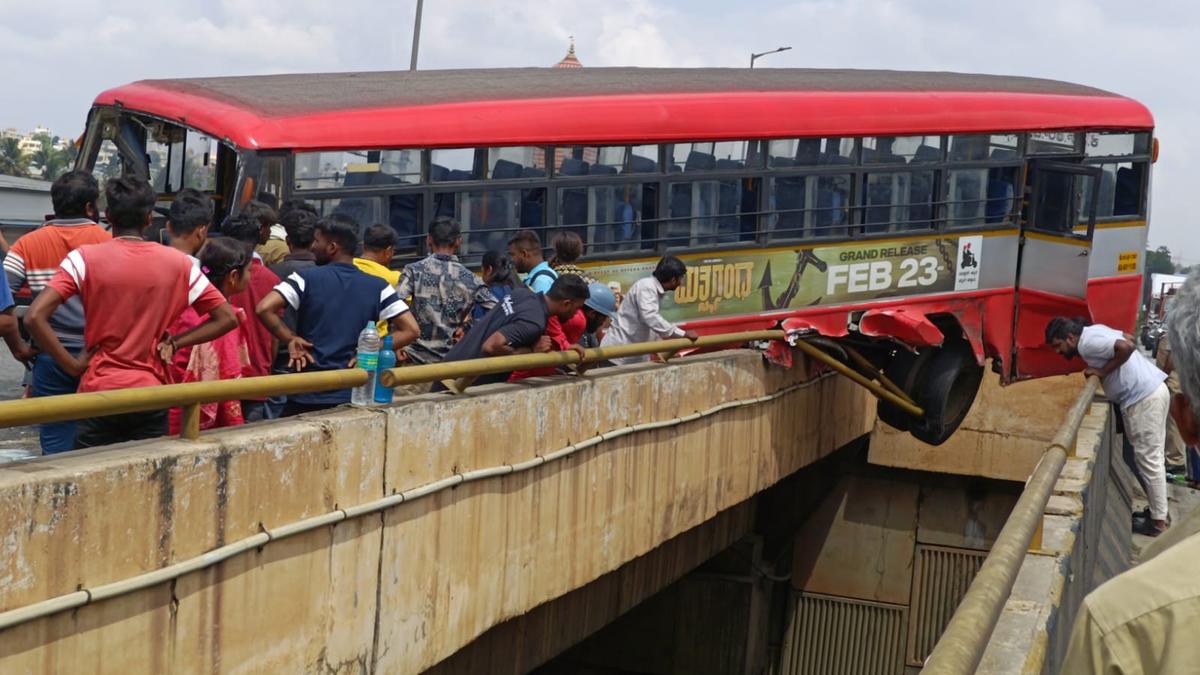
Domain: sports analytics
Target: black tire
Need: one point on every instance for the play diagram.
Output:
(949, 384)
(904, 369)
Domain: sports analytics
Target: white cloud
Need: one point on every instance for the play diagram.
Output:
(59, 55)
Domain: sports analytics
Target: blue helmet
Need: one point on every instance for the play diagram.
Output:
(601, 299)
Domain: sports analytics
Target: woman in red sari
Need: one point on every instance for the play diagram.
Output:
(226, 264)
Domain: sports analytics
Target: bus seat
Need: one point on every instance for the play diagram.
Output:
(920, 201)
(532, 172)
(603, 170)
(437, 173)
(808, 151)
(404, 216)
(573, 167)
(459, 174)
(835, 158)
(366, 178)
(506, 170)
(999, 200)
(1002, 153)
(532, 211)
(729, 164)
(830, 212)
(699, 161)
(926, 154)
(639, 164)
(1127, 192)
(789, 200)
(968, 148)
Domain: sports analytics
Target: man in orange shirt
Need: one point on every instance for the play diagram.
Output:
(32, 261)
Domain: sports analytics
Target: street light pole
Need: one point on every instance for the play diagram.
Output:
(412, 64)
(754, 56)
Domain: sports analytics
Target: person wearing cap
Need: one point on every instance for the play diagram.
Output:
(599, 310)
(570, 334)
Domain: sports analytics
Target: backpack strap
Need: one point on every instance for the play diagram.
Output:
(540, 273)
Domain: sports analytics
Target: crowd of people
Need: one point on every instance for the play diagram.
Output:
(280, 289)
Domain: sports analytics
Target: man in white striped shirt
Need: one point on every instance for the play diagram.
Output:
(32, 261)
(333, 302)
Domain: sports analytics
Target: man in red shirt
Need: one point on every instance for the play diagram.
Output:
(132, 290)
(246, 228)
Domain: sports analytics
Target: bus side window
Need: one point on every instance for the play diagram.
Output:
(1054, 206)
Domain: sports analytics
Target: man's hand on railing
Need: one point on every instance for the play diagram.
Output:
(691, 335)
(544, 345)
(582, 352)
(299, 355)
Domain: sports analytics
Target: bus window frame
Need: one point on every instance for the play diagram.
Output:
(1036, 168)
(1144, 189)
(555, 184)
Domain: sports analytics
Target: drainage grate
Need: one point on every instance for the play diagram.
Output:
(840, 636)
(940, 581)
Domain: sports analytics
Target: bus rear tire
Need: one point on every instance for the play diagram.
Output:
(948, 386)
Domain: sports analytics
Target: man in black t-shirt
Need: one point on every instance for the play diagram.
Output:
(516, 324)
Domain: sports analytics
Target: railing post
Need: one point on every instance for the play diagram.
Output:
(190, 428)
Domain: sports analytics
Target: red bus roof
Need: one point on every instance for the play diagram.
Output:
(446, 108)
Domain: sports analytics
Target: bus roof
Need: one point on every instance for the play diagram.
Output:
(445, 108)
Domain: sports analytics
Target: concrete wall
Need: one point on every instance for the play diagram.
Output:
(1003, 435)
(401, 591)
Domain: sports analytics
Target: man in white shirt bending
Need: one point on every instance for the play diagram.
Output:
(1138, 388)
(639, 318)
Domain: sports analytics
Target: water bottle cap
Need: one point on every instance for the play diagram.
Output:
(370, 324)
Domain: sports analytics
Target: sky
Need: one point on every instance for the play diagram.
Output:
(58, 55)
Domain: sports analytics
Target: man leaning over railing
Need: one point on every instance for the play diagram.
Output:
(1147, 620)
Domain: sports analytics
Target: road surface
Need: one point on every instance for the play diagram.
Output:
(18, 442)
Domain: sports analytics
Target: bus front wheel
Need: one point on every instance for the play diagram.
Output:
(943, 382)
(948, 388)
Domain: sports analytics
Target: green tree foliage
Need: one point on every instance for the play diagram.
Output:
(13, 162)
(53, 162)
(1158, 261)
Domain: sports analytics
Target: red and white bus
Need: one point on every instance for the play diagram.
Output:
(934, 221)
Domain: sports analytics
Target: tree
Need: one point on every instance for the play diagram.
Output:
(50, 160)
(40, 158)
(13, 162)
(1158, 261)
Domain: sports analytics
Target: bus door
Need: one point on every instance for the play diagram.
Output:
(1055, 251)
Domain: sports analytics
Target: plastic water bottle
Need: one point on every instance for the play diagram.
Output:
(368, 360)
(387, 359)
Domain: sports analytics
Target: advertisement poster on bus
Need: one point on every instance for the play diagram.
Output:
(750, 282)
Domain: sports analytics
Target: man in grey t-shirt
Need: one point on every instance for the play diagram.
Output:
(1138, 387)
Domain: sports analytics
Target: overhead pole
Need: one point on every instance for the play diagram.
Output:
(412, 64)
(756, 56)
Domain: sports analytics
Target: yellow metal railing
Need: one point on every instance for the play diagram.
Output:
(457, 374)
(961, 647)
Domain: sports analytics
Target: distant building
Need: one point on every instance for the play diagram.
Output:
(30, 144)
(570, 60)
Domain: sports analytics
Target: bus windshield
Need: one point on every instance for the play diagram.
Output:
(170, 156)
